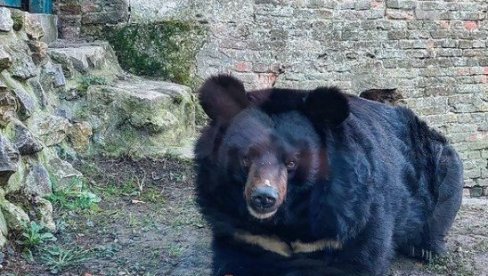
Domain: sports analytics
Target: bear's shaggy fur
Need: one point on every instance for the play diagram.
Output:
(319, 182)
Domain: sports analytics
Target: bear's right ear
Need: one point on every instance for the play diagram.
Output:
(327, 105)
(222, 97)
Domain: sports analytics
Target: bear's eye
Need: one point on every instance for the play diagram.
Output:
(291, 164)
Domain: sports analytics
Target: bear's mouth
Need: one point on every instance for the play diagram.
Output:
(259, 215)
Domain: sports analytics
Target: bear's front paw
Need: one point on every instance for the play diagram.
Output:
(422, 254)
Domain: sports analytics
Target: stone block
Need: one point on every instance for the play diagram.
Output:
(476, 191)
(67, 179)
(23, 66)
(79, 135)
(26, 102)
(5, 59)
(15, 217)
(6, 22)
(37, 182)
(400, 4)
(9, 160)
(148, 115)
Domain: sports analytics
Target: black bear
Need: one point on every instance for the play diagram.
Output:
(320, 182)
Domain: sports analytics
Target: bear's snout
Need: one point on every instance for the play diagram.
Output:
(265, 189)
(264, 198)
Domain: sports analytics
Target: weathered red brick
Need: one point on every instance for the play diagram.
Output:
(471, 25)
(243, 66)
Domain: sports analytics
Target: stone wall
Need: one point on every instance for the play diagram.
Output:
(32, 131)
(434, 52)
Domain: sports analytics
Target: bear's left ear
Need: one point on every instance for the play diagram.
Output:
(222, 97)
(327, 105)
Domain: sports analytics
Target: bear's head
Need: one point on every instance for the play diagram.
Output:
(260, 164)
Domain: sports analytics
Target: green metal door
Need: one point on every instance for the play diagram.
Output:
(11, 3)
(34, 6)
(40, 6)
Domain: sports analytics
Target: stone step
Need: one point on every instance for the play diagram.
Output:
(129, 115)
(84, 57)
(138, 117)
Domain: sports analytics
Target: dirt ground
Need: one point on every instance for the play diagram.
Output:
(147, 223)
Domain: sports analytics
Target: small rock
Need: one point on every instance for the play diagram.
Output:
(52, 130)
(5, 59)
(68, 68)
(23, 139)
(72, 94)
(39, 91)
(39, 51)
(44, 210)
(16, 180)
(6, 22)
(18, 17)
(3, 242)
(8, 107)
(67, 178)
(33, 27)
(3, 224)
(82, 58)
(3, 234)
(55, 72)
(79, 135)
(37, 182)
(27, 104)
(16, 217)
(9, 160)
(23, 67)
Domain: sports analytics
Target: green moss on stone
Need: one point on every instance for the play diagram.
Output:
(87, 80)
(18, 18)
(163, 49)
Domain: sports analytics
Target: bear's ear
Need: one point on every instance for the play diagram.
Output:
(327, 104)
(222, 97)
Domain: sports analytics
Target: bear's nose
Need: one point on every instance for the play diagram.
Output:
(263, 198)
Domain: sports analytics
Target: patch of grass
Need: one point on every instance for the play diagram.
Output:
(133, 220)
(177, 177)
(184, 219)
(86, 81)
(58, 259)
(71, 198)
(453, 264)
(152, 195)
(84, 200)
(174, 250)
(35, 234)
(89, 170)
(32, 238)
(112, 189)
(134, 187)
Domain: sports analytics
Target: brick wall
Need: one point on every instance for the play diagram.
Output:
(434, 52)
(77, 17)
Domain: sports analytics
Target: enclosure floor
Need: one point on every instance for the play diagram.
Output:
(147, 224)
